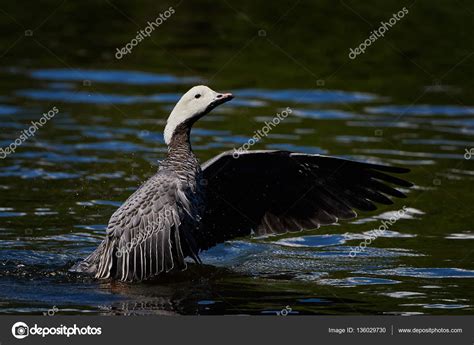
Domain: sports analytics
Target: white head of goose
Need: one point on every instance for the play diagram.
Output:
(194, 104)
(186, 207)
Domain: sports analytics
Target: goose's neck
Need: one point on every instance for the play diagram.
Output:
(180, 154)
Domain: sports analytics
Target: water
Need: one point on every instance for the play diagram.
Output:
(58, 190)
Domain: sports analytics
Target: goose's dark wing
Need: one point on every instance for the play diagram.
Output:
(144, 236)
(268, 192)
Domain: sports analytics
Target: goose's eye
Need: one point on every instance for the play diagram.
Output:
(197, 96)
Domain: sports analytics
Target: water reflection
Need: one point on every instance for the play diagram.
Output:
(60, 188)
(110, 76)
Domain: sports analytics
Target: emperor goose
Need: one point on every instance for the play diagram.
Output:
(186, 207)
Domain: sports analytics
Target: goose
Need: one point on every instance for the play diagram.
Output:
(186, 208)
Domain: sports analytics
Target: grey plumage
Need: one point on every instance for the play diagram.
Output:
(184, 208)
(153, 231)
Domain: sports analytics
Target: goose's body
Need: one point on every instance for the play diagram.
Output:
(185, 207)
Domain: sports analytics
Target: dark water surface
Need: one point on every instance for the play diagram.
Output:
(58, 190)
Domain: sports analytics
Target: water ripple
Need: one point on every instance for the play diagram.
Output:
(111, 76)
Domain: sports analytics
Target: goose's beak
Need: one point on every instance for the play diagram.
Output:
(222, 98)
(219, 99)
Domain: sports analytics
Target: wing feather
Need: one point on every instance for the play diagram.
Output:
(269, 192)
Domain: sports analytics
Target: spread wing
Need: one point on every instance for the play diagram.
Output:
(271, 192)
(144, 236)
